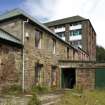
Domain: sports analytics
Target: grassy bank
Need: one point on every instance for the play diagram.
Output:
(96, 97)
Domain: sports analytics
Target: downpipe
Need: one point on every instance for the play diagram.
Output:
(23, 57)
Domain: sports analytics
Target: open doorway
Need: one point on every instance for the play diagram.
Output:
(68, 78)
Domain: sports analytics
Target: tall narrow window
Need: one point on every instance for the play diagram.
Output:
(53, 75)
(67, 53)
(38, 36)
(38, 68)
(54, 46)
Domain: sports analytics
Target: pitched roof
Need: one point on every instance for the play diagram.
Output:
(65, 20)
(8, 37)
(19, 12)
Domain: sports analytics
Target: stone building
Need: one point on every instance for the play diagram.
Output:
(78, 31)
(33, 58)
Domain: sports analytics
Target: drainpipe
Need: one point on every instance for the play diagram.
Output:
(23, 85)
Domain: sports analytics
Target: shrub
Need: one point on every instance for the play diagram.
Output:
(34, 100)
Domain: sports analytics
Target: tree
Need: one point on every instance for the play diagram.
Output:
(100, 53)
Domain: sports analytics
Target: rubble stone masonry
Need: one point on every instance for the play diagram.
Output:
(10, 65)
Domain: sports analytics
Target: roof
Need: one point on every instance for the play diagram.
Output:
(8, 37)
(65, 20)
(20, 12)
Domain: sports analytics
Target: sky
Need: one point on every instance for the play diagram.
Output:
(48, 10)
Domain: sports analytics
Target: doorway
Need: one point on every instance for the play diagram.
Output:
(68, 78)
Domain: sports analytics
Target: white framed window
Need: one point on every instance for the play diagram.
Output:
(74, 27)
(59, 29)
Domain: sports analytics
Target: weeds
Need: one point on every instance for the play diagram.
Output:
(34, 100)
(40, 89)
(95, 97)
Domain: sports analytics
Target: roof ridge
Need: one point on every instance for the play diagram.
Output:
(65, 18)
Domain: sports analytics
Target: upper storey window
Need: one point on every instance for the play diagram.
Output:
(61, 35)
(76, 32)
(75, 27)
(54, 46)
(38, 36)
(59, 29)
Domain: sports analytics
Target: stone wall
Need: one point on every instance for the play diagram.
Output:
(13, 26)
(10, 65)
(43, 56)
(85, 78)
(89, 40)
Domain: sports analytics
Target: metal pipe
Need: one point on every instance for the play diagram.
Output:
(23, 75)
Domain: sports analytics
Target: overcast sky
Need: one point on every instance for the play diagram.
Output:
(46, 10)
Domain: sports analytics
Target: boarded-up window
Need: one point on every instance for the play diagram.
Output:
(38, 35)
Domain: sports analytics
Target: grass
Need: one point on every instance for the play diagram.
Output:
(96, 97)
(40, 89)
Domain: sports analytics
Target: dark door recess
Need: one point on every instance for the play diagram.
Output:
(68, 78)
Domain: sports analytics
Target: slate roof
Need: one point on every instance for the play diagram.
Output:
(8, 37)
(65, 20)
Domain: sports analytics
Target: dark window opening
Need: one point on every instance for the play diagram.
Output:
(67, 53)
(38, 68)
(61, 35)
(53, 75)
(38, 35)
(76, 43)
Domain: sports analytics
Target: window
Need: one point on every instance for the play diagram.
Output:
(67, 52)
(54, 46)
(59, 29)
(75, 32)
(77, 42)
(38, 35)
(62, 35)
(53, 75)
(38, 68)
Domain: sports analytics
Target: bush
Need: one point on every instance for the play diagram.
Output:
(34, 100)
